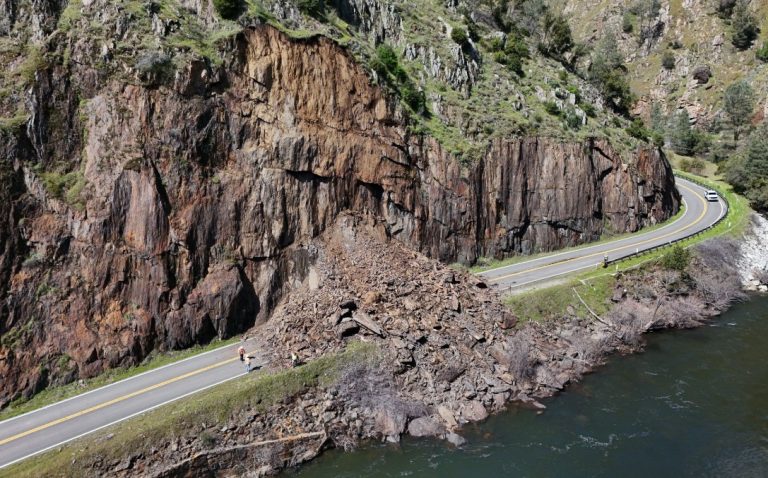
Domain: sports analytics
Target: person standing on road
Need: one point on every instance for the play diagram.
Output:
(241, 352)
(248, 364)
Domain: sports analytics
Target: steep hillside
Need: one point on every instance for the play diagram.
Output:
(700, 71)
(692, 34)
(165, 170)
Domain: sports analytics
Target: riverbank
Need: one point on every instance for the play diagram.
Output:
(446, 353)
(694, 400)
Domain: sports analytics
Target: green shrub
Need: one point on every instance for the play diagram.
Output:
(515, 65)
(616, 89)
(552, 108)
(154, 67)
(572, 120)
(387, 65)
(313, 8)
(762, 52)
(677, 259)
(228, 9)
(638, 130)
(67, 187)
(496, 44)
(387, 57)
(668, 60)
(657, 139)
(626, 23)
(34, 61)
(207, 439)
(589, 109)
(692, 165)
(459, 35)
(414, 98)
(516, 46)
(725, 8)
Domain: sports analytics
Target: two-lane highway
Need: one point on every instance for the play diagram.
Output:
(32, 433)
(698, 215)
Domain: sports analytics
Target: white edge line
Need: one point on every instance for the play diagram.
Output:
(8, 420)
(515, 286)
(587, 247)
(122, 419)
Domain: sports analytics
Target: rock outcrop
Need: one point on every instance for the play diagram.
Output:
(140, 216)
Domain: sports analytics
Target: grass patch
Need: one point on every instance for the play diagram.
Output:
(13, 123)
(255, 392)
(54, 394)
(551, 303)
(66, 186)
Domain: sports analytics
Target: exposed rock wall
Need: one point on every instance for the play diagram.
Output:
(190, 208)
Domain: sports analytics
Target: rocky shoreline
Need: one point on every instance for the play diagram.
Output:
(448, 352)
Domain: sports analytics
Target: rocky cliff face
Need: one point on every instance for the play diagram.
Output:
(141, 216)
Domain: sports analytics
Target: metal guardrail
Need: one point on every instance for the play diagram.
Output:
(684, 238)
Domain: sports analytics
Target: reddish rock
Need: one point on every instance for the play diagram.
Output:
(197, 207)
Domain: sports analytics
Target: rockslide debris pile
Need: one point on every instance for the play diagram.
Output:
(449, 352)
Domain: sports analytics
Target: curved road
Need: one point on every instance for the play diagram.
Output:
(699, 214)
(40, 430)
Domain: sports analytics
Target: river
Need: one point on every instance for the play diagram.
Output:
(695, 403)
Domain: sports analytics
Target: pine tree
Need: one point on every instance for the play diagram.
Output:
(757, 154)
(658, 120)
(738, 103)
(681, 136)
(745, 28)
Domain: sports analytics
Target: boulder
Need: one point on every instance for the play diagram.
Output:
(474, 411)
(425, 427)
(702, 74)
(347, 328)
(390, 424)
(455, 439)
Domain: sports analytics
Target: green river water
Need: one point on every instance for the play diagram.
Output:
(695, 403)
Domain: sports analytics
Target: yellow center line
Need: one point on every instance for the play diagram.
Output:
(698, 220)
(114, 401)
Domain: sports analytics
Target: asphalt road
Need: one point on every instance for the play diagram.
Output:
(698, 215)
(27, 435)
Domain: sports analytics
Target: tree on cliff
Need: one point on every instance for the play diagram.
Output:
(646, 12)
(610, 74)
(556, 38)
(738, 103)
(744, 25)
(228, 9)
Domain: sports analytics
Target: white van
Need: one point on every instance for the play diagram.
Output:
(711, 195)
